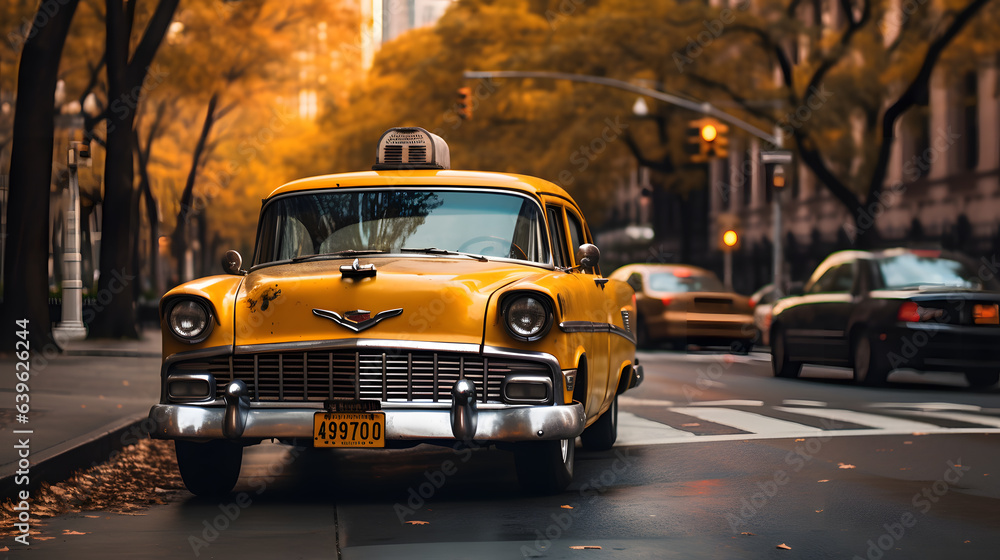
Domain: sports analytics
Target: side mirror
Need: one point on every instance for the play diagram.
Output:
(588, 255)
(232, 263)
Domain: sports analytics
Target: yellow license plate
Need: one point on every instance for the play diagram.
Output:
(349, 429)
(985, 314)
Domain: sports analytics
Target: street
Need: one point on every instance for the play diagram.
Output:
(715, 459)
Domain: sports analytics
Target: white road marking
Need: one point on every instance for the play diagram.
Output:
(798, 402)
(928, 406)
(746, 421)
(732, 402)
(633, 401)
(633, 430)
(960, 416)
(863, 418)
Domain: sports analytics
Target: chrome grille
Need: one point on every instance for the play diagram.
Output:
(390, 375)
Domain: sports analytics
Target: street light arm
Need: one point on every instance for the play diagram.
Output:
(704, 108)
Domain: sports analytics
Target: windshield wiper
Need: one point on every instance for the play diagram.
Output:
(337, 254)
(437, 251)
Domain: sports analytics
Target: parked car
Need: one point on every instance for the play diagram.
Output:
(409, 304)
(682, 304)
(762, 303)
(880, 311)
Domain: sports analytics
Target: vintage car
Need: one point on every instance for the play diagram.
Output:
(679, 304)
(409, 304)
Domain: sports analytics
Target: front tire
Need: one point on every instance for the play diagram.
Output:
(602, 434)
(982, 379)
(782, 366)
(871, 366)
(545, 467)
(209, 469)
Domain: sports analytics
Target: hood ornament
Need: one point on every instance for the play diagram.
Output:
(359, 319)
(357, 270)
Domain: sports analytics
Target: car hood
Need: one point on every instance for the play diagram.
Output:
(412, 298)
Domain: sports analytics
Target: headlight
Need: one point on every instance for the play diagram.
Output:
(189, 320)
(527, 317)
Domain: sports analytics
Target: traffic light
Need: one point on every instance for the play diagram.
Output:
(707, 139)
(729, 228)
(465, 103)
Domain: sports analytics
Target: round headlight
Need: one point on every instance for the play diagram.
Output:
(527, 318)
(189, 320)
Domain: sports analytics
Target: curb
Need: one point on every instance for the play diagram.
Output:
(58, 463)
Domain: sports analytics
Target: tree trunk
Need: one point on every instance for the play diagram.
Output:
(118, 318)
(179, 240)
(26, 274)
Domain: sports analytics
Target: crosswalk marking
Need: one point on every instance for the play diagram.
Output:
(863, 418)
(980, 419)
(634, 430)
(746, 421)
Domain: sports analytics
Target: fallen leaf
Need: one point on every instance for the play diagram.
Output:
(159, 490)
(68, 532)
(907, 443)
(784, 546)
(967, 542)
(919, 434)
(566, 507)
(119, 406)
(125, 382)
(93, 516)
(690, 425)
(419, 522)
(958, 465)
(845, 466)
(824, 480)
(5, 549)
(83, 406)
(801, 439)
(819, 511)
(43, 538)
(747, 533)
(586, 547)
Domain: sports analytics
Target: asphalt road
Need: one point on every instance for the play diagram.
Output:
(716, 459)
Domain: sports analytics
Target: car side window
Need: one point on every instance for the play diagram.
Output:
(558, 238)
(838, 279)
(577, 237)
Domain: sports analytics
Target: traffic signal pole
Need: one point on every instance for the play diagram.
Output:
(704, 108)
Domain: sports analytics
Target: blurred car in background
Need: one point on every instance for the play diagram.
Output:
(762, 302)
(681, 304)
(892, 309)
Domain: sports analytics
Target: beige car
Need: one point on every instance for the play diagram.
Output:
(681, 305)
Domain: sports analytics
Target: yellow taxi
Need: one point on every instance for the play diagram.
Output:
(404, 305)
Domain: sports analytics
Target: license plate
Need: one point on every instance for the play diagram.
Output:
(349, 429)
(985, 314)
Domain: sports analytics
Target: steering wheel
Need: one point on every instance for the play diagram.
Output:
(498, 242)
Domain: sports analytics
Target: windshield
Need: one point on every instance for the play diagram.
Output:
(910, 271)
(671, 282)
(474, 222)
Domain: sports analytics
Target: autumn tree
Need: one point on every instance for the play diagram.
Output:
(26, 245)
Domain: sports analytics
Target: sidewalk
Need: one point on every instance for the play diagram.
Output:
(84, 404)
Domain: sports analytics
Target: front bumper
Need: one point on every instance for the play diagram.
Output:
(508, 424)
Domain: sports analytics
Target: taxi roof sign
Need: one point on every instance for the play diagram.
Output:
(411, 148)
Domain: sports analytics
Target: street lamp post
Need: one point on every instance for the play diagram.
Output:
(777, 159)
(71, 327)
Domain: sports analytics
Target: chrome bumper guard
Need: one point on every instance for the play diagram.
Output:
(523, 423)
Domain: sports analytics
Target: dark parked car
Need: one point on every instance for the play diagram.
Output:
(893, 309)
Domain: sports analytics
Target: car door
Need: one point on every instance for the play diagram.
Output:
(822, 329)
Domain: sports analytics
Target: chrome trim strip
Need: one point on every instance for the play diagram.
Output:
(352, 343)
(522, 423)
(596, 327)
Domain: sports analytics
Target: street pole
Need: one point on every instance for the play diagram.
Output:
(776, 209)
(727, 269)
(71, 327)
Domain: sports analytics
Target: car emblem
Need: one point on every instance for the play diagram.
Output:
(359, 319)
